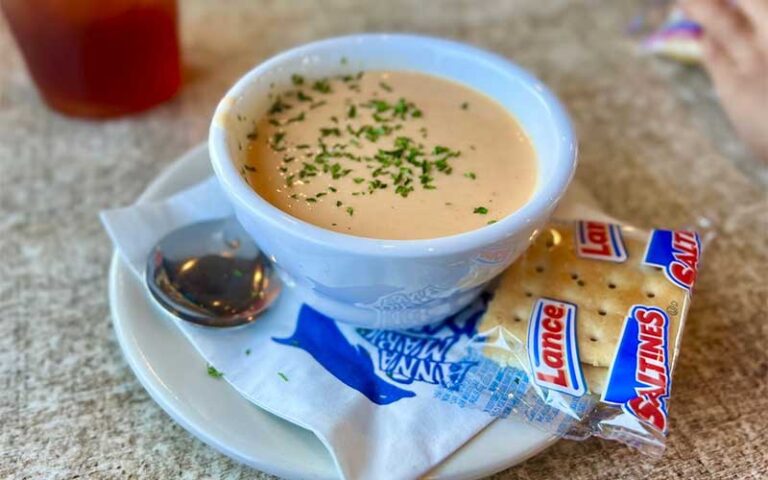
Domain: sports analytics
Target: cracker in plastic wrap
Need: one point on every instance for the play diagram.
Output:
(590, 317)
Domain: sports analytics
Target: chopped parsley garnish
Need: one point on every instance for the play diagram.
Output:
(283, 376)
(247, 351)
(322, 86)
(326, 132)
(362, 139)
(297, 118)
(465, 106)
(278, 106)
(276, 140)
(213, 373)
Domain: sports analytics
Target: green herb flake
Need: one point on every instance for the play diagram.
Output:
(278, 106)
(343, 60)
(385, 87)
(350, 211)
(470, 175)
(236, 272)
(283, 376)
(322, 86)
(358, 179)
(465, 106)
(352, 112)
(297, 118)
(297, 79)
(339, 203)
(276, 140)
(491, 222)
(213, 373)
(247, 351)
(480, 210)
(326, 132)
(303, 97)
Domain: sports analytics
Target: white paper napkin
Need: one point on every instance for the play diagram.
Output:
(368, 395)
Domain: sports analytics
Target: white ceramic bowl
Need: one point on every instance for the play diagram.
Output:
(393, 283)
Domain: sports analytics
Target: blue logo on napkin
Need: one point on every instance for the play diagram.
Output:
(403, 356)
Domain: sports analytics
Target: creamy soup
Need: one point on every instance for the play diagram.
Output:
(390, 155)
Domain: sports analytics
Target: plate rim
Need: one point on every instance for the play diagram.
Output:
(153, 385)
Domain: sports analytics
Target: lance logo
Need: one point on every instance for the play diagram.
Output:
(639, 377)
(600, 241)
(552, 348)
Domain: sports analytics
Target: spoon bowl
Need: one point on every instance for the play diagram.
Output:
(211, 274)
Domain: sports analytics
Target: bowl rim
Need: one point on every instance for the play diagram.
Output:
(544, 198)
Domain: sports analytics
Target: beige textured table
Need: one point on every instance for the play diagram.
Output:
(654, 149)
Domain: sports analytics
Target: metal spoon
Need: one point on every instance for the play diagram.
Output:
(211, 273)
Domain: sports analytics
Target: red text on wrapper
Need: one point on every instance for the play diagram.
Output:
(552, 348)
(677, 253)
(600, 241)
(639, 378)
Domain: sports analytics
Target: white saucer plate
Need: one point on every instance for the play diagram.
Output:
(174, 374)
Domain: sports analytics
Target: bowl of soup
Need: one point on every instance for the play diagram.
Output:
(390, 177)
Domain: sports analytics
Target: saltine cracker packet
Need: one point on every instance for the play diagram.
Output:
(582, 333)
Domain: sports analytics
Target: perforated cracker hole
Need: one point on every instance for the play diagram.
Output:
(518, 319)
(650, 294)
(611, 285)
(580, 283)
(593, 339)
(574, 276)
(539, 269)
(550, 243)
(528, 294)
